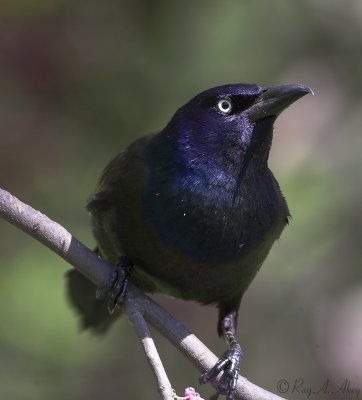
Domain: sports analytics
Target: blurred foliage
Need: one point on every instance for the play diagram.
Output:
(81, 80)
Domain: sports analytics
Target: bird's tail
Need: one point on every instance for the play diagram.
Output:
(93, 313)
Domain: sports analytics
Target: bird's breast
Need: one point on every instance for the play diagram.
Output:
(205, 222)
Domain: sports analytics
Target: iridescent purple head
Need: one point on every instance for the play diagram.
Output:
(226, 129)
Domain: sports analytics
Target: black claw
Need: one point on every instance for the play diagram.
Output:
(117, 285)
(229, 363)
(102, 292)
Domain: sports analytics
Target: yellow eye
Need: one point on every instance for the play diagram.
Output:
(225, 106)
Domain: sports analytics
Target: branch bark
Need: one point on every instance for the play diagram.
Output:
(144, 335)
(139, 306)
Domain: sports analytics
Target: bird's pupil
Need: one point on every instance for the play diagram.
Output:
(225, 105)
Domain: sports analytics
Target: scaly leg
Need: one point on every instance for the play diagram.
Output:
(229, 362)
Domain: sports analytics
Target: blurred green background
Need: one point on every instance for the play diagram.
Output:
(81, 80)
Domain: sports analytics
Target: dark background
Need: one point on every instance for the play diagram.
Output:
(81, 80)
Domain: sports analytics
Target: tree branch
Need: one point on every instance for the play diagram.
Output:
(140, 326)
(138, 305)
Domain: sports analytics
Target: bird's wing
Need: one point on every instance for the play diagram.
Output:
(114, 198)
(118, 175)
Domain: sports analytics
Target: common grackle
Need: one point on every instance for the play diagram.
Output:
(195, 208)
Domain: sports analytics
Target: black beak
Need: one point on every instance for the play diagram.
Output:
(274, 99)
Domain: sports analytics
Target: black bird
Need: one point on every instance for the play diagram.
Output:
(195, 208)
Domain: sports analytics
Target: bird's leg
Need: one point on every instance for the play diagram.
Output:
(229, 363)
(117, 284)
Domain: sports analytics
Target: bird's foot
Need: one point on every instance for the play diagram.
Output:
(117, 285)
(229, 364)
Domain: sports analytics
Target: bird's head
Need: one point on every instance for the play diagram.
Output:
(227, 130)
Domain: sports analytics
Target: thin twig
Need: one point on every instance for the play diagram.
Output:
(58, 239)
(140, 326)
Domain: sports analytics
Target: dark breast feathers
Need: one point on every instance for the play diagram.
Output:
(187, 240)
